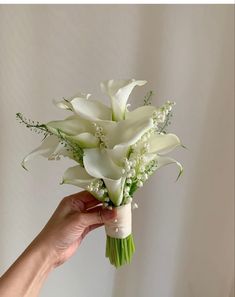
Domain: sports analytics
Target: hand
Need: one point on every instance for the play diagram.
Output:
(75, 216)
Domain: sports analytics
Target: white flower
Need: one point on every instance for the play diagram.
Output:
(91, 109)
(76, 129)
(125, 132)
(77, 176)
(163, 161)
(162, 143)
(119, 92)
(98, 164)
(50, 148)
(66, 103)
(99, 138)
(158, 146)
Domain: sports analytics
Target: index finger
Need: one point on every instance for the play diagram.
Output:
(86, 198)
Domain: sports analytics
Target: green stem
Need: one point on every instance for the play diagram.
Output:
(120, 250)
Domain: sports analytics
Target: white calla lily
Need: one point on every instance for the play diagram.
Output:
(115, 189)
(49, 148)
(77, 176)
(126, 132)
(98, 164)
(66, 103)
(91, 109)
(119, 92)
(118, 153)
(163, 143)
(72, 125)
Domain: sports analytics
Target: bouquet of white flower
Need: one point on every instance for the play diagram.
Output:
(116, 151)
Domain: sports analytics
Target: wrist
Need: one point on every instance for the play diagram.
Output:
(43, 253)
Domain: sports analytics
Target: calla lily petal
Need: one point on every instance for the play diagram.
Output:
(66, 103)
(163, 161)
(73, 125)
(119, 92)
(141, 112)
(63, 104)
(115, 189)
(127, 132)
(98, 163)
(50, 146)
(77, 176)
(61, 150)
(85, 140)
(91, 109)
(163, 143)
(118, 153)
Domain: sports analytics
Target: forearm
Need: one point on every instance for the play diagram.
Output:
(26, 276)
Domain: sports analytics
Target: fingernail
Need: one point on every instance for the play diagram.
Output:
(108, 214)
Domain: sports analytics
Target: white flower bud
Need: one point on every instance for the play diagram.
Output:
(140, 184)
(128, 168)
(146, 146)
(129, 200)
(142, 168)
(132, 172)
(133, 162)
(145, 138)
(127, 189)
(101, 192)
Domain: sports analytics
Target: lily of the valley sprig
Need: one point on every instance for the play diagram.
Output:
(116, 150)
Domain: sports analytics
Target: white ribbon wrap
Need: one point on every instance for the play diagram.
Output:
(120, 227)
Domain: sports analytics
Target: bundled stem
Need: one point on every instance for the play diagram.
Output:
(120, 250)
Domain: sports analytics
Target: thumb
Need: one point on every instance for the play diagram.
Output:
(97, 217)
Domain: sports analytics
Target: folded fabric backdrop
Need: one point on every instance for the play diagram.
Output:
(116, 151)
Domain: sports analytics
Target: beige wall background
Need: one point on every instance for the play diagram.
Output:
(184, 231)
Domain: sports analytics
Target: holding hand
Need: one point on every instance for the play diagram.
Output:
(75, 216)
